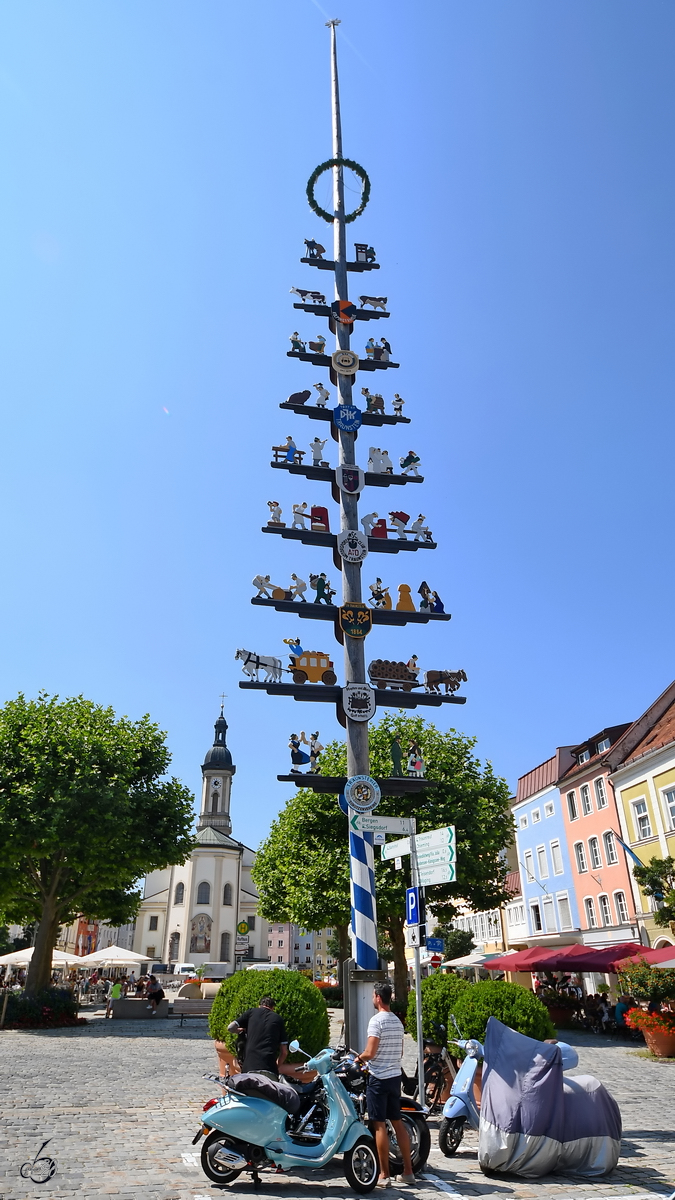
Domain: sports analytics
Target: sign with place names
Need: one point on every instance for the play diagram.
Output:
(424, 842)
(444, 873)
(435, 945)
(435, 855)
(371, 823)
(241, 944)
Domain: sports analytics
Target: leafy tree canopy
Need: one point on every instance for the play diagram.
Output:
(657, 879)
(85, 812)
(458, 942)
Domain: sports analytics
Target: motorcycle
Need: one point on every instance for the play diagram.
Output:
(413, 1115)
(462, 1107)
(258, 1124)
(439, 1071)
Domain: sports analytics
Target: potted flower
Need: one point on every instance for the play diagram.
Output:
(658, 1029)
(561, 1006)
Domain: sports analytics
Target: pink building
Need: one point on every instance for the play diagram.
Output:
(599, 869)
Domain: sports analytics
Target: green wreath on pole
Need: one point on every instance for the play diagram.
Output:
(338, 162)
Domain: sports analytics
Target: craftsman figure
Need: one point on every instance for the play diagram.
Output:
(370, 348)
(262, 583)
(425, 592)
(397, 756)
(323, 396)
(386, 465)
(410, 463)
(296, 344)
(275, 513)
(379, 594)
(399, 520)
(298, 588)
(368, 521)
(317, 450)
(419, 528)
(299, 516)
(370, 254)
(290, 449)
(397, 405)
(322, 588)
(412, 664)
(374, 460)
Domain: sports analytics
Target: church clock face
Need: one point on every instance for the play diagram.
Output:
(216, 783)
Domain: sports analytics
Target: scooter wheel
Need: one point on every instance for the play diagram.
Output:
(450, 1134)
(210, 1165)
(420, 1143)
(361, 1165)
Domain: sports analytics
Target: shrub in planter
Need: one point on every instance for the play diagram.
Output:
(639, 1018)
(48, 1009)
(645, 982)
(510, 1003)
(299, 1003)
(439, 996)
(333, 995)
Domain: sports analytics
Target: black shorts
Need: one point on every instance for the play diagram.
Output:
(383, 1098)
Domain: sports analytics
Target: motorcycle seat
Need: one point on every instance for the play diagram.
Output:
(306, 1089)
(250, 1083)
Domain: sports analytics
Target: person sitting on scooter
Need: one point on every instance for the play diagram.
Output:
(266, 1040)
(383, 1053)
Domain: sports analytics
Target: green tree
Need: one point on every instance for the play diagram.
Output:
(84, 813)
(458, 942)
(302, 868)
(657, 879)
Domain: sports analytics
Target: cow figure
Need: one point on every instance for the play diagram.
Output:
(314, 249)
(311, 297)
(374, 302)
(252, 663)
(374, 401)
(450, 680)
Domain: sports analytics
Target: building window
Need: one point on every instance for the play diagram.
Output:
(225, 947)
(296, 946)
(296, 959)
(583, 756)
(641, 818)
(565, 912)
(308, 945)
(600, 793)
(152, 924)
(536, 816)
(179, 894)
(227, 895)
(542, 862)
(572, 806)
(516, 914)
(269, 941)
(580, 856)
(150, 952)
(308, 959)
(603, 745)
(549, 808)
(605, 911)
(536, 917)
(621, 907)
(610, 848)
(523, 821)
(669, 798)
(556, 858)
(529, 866)
(586, 803)
(594, 852)
(214, 802)
(318, 945)
(280, 942)
(204, 893)
(549, 916)
(590, 913)
(280, 958)
(251, 922)
(174, 943)
(329, 933)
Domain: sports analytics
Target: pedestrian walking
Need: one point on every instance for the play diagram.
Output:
(383, 1053)
(115, 994)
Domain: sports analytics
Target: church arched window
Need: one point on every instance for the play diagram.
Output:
(179, 894)
(204, 893)
(214, 802)
(174, 943)
(225, 947)
(227, 896)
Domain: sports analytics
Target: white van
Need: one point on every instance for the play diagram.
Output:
(185, 969)
(268, 967)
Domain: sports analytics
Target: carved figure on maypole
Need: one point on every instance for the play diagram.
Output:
(316, 446)
(265, 588)
(409, 463)
(379, 594)
(373, 301)
(275, 513)
(324, 395)
(397, 405)
(311, 297)
(374, 401)
(314, 249)
(321, 585)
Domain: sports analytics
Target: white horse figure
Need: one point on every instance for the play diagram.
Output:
(252, 663)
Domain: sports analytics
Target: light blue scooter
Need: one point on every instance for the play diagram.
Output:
(460, 1108)
(250, 1133)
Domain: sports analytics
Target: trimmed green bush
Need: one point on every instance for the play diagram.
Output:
(48, 1009)
(334, 996)
(299, 1003)
(510, 1003)
(439, 996)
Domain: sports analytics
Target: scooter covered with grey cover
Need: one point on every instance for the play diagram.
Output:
(533, 1120)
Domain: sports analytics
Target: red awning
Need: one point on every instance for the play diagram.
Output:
(662, 954)
(588, 958)
(536, 958)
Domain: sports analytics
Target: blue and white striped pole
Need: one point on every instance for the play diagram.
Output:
(362, 887)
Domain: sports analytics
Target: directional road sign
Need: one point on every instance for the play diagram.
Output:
(424, 842)
(371, 823)
(443, 873)
(435, 945)
(436, 855)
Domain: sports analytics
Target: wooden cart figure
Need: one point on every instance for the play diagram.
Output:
(313, 665)
(374, 401)
(396, 675)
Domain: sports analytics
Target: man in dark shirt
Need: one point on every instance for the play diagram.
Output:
(266, 1040)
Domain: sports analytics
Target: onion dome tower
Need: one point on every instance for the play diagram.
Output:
(217, 772)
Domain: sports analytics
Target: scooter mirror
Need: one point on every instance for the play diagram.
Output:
(294, 1046)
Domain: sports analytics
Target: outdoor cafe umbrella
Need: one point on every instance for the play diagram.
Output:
(21, 958)
(112, 956)
(536, 958)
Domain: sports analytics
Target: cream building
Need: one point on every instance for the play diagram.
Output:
(190, 913)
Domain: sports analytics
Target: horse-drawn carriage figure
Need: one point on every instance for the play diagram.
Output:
(313, 665)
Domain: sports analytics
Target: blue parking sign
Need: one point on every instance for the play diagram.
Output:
(412, 906)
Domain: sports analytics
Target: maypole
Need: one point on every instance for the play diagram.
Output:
(386, 683)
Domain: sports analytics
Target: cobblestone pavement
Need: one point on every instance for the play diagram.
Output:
(119, 1102)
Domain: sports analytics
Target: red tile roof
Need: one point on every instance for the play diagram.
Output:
(513, 884)
(542, 776)
(659, 735)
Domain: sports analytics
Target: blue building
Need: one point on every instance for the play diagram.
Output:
(549, 906)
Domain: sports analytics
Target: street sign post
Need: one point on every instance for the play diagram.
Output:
(439, 873)
(435, 945)
(412, 906)
(436, 960)
(372, 823)
(425, 843)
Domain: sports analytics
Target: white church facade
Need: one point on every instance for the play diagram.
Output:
(190, 913)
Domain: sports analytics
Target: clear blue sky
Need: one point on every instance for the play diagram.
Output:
(152, 214)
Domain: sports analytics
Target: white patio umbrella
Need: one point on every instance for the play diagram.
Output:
(112, 956)
(21, 958)
(669, 964)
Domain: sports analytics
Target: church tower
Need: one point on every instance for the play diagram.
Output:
(217, 772)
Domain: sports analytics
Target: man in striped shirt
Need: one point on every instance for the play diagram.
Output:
(383, 1053)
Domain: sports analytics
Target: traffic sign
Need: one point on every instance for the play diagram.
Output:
(412, 906)
(241, 944)
(436, 959)
(424, 842)
(412, 935)
(436, 945)
(433, 855)
(242, 928)
(370, 823)
(443, 873)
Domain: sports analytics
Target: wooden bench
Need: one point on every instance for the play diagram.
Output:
(183, 1007)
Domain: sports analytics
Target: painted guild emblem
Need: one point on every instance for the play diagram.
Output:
(345, 362)
(355, 620)
(343, 311)
(358, 701)
(352, 545)
(350, 479)
(347, 417)
(362, 793)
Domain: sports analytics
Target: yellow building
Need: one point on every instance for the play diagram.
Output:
(643, 778)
